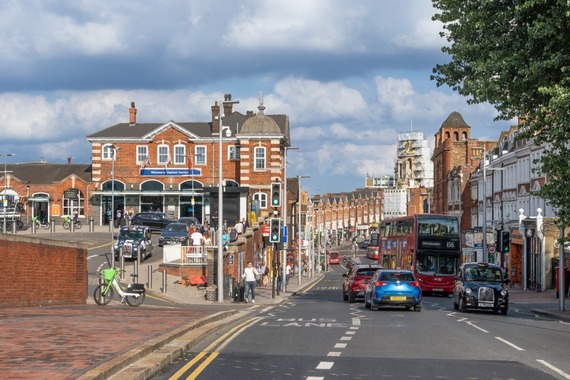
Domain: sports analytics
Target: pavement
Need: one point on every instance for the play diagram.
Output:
(122, 342)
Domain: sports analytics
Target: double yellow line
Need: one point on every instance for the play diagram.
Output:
(212, 351)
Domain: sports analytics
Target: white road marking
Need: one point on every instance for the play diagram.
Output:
(353, 328)
(315, 378)
(345, 338)
(333, 353)
(558, 371)
(340, 345)
(325, 365)
(356, 321)
(462, 319)
(477, 327)
(509, 343)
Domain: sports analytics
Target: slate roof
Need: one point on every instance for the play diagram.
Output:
(142, 131)
(44, 173)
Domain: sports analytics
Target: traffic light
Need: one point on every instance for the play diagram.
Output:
(274, 230)
(505, 241)
(276, 194)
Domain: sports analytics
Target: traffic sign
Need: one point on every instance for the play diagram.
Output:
(492, 250)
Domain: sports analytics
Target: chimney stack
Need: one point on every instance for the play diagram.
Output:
(216, 118)
(132, 114)
(69, 160)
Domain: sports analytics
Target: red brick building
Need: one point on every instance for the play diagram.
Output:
(455, 156)
(174, 166)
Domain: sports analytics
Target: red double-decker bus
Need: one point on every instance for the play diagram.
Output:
(427, 244)
(373, 249)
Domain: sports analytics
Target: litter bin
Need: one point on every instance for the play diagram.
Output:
(239, 292)
(566, 281)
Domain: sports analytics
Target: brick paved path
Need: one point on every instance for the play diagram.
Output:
(63, 342)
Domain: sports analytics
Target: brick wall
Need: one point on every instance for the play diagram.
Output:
(42, 272)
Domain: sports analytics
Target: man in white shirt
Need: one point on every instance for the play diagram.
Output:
(197, 238)
(249, 276)
(239, 227)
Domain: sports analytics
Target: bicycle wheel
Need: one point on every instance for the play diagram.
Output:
(103, 299)
(20, 224)
(65, 225)
(77, 225)
(136, 301)
(45, 226)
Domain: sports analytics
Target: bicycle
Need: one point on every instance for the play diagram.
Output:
(134, 294)
(43, 224)
(67, 223)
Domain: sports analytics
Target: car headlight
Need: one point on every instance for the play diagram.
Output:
(504, 292)
(468, 291)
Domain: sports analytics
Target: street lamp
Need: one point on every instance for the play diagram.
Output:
(299, 228)
(113, 150)
(220, 266)
(4, 199)
(484, 218)
(285, 206)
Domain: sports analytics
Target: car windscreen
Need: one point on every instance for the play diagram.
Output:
(366, 271)
(175, 228)
(483, 274)
(334, 255)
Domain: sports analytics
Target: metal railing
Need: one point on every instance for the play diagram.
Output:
(186, 255)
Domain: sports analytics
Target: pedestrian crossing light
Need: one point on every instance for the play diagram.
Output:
(276, 194)
(275, 230)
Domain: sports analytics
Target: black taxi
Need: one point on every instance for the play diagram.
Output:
(131, 240)
(481, 286)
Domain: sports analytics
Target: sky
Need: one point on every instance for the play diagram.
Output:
(350, 74)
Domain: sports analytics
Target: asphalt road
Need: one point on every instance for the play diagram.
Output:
(316, 335)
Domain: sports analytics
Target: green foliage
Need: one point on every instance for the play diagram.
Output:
(515, 55)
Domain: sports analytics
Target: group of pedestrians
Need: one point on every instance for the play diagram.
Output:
(252, 276)
(200, 236)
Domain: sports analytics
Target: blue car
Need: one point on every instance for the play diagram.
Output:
(392, 287)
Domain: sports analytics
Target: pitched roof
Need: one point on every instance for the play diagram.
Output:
(43, 172)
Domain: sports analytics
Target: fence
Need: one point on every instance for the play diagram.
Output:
(186, 255)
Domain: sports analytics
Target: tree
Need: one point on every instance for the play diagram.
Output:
(515, 55)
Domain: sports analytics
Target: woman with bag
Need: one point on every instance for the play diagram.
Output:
(249, 276)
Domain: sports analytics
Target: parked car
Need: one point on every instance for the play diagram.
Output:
(355, 281)
(334, 258)
(155, 220)
(392, 287)
(190, 221)
(481, 286)
(174, 233)
(364, 244)
(131, 239)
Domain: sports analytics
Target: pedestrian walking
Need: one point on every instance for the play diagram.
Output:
(249, 276)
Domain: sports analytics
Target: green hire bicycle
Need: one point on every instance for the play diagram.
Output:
(134, 295)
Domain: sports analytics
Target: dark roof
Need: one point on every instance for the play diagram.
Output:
(235, 121)
(43, 172)
(454, 120)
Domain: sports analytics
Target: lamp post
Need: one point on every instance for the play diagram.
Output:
(285, 206)
(113, 150)
(484, 218)
(4, 199)
(220, 266)
(299, 228)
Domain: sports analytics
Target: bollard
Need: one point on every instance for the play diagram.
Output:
(52, 226)
(34, 225)
(91, 224)
(164, 281)
(138, 260)
(14, 227)
(149, 277)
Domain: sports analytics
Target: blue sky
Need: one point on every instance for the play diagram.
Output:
(351, 75)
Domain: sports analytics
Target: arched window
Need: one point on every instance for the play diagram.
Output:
(190, 185)
(106, 186)
(456, 136)
(152, 185)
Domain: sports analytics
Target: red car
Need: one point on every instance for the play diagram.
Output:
(334, 258)
(356, 279)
